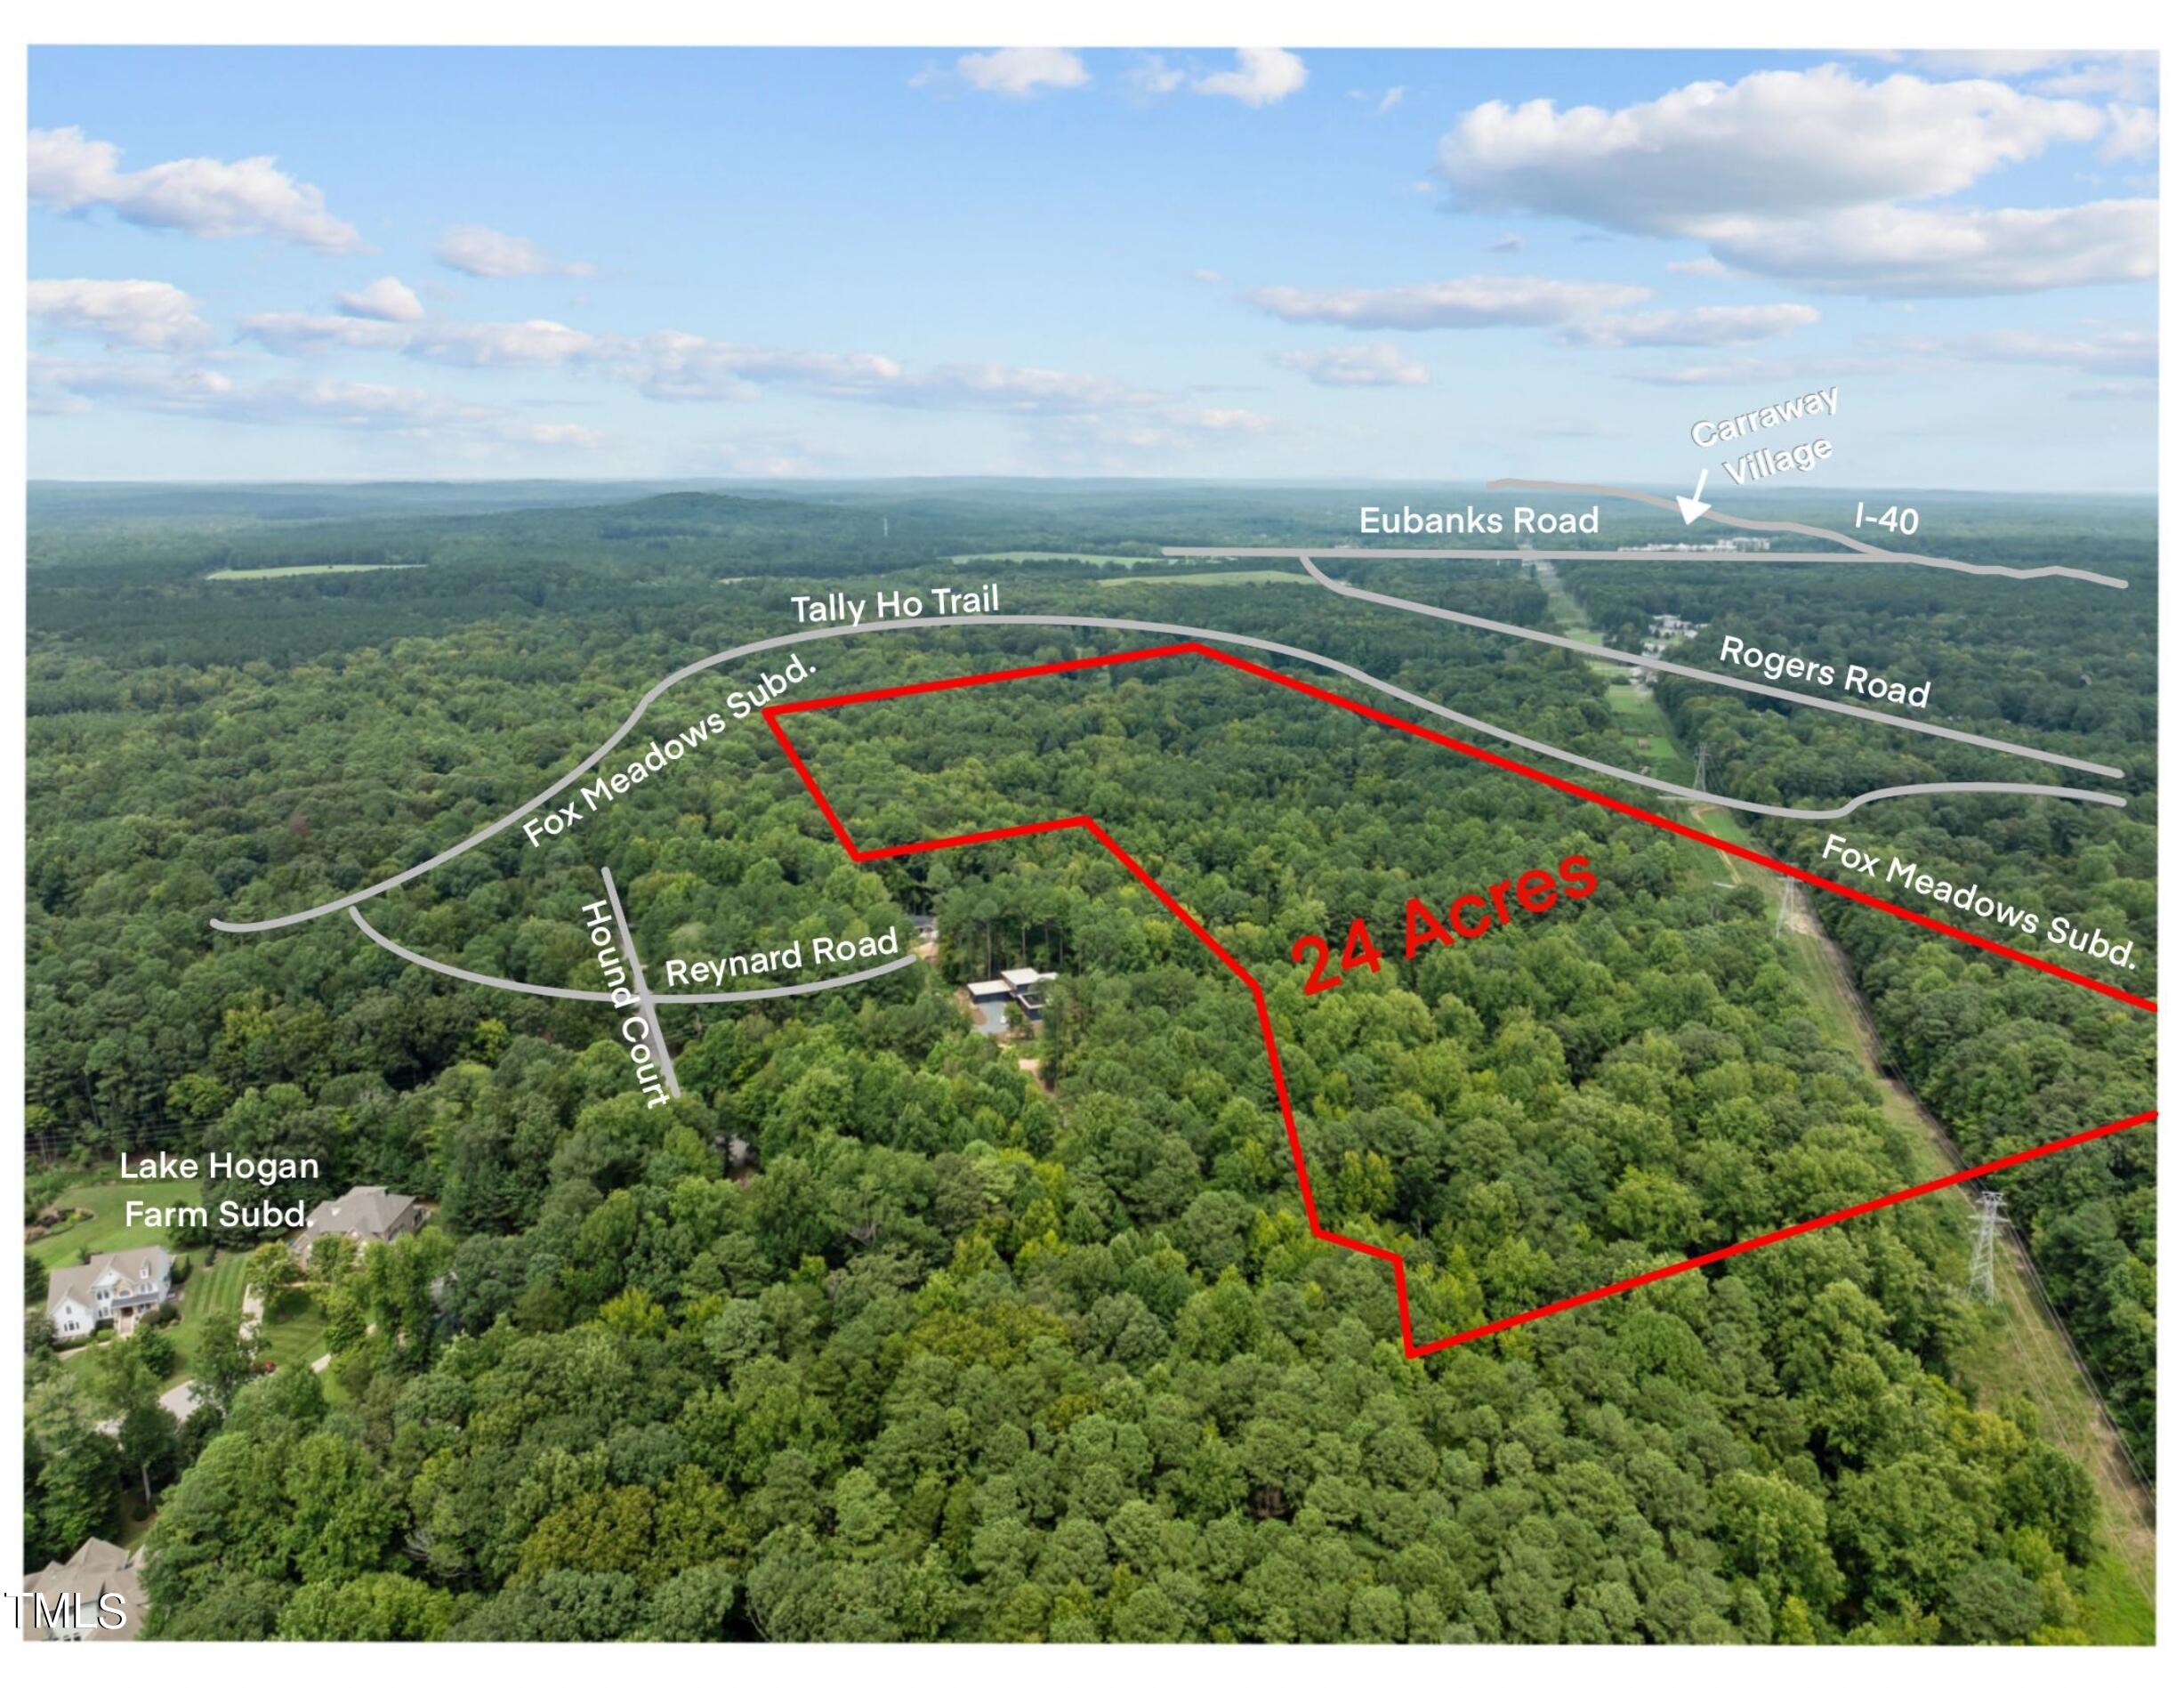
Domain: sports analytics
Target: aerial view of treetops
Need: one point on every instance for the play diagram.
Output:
(928, 1312)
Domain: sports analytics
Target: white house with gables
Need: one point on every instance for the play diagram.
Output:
(107, 1289)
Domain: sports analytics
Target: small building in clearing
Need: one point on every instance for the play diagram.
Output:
(990, 998)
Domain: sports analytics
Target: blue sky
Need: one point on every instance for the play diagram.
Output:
(1325, 265)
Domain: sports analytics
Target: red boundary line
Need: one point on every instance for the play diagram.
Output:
(1412, 1347)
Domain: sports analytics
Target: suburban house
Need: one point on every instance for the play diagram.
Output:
(68, 1600)
(369, 1213)
(108, 1290)
(990, 998)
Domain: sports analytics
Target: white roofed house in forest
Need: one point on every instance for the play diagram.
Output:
(111, 1288)
(990, 998)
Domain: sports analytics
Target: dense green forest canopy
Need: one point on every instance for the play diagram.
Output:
(887, 1330)
(2004, 1064)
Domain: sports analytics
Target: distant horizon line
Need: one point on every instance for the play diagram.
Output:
(1894, 491)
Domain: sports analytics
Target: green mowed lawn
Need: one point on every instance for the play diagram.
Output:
(294, 1330)
(296, 1333)
(108, 1228)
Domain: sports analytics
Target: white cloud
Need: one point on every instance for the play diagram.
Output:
(1382, 102)
(1778, 143)
(1708, 267)
(2131, 391)
(468, 344)
(2134, 131)
(1990, 61)
(679, 366)
(1804, 175)
(1229, 420)
(476, 250)
(2124, 75)
(153, 315)
(1262, 75)
(349, 404)
(1901, 251)
(2094, 351)
(294, 333)
(1375, 364)
(1506, 243)
(1022, 71)
(1708, 326)
(675, 366)
(63, 387)
(553, 433)
(2128, 75)
(386, 299)
(1153, 75)
(1025, 391)
(1465, 302)
(1735, 373)
(207, 196)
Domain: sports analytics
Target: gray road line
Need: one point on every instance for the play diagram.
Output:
(646, 1004)
(1633, 554)
(1586, 489)
(1121, 624)
(809, 988)
(1609, 653)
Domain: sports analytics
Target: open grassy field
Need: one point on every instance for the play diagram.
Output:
(308, 569)
(1104, 561)
(1234, 577)
(108, 1228)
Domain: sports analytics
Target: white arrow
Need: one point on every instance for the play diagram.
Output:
(1695, 506)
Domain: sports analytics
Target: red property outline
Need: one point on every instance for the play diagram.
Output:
(1412, 1347)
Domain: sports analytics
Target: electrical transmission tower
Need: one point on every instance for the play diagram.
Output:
(1991, 1219)
(1698, 779)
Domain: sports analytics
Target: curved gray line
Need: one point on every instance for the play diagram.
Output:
(498, 983)
(1111, 623)
(646, 1004)
(1610, 653)
(1629, 553)
(1873, 552)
